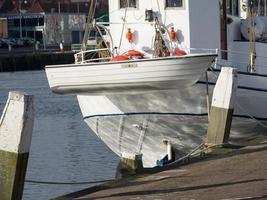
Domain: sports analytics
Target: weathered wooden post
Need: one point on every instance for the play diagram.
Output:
(222, 107)
(16, 125)
(129, 164)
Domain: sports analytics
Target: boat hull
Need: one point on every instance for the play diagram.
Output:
(138, 124)
(132, 76)
(134, 109)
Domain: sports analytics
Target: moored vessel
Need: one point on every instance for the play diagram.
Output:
(140, 104)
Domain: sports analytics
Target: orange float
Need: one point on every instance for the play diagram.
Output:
(172, 34)
(129, 35)
(134, 53)
(179, 52)
(120, 58)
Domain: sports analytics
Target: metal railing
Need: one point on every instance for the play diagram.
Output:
(91, 56)
(77, 47)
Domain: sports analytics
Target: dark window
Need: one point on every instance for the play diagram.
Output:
(232, 7)
(128, 3)
(174, 3)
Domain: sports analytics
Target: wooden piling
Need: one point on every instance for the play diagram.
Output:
(16, 125)
(222, 107)
(129, 164)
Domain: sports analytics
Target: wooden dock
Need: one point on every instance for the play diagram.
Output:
(226, 173)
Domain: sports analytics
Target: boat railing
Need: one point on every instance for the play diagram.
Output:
(92, 55)
(201, 50)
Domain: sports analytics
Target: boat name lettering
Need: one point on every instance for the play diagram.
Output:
(128, 65)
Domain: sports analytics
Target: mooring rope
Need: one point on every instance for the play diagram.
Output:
(251, 116)
(66, 183)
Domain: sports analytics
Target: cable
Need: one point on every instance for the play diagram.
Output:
(251, 116)
(124, 22)
(158, 6)
(66, 183)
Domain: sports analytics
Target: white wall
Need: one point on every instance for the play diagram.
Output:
(202, 33)
(145, 31)
(204, 19)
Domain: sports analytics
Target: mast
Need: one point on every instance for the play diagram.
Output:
(223, 19)
(88, 24)
(265, 8)
(251, 30)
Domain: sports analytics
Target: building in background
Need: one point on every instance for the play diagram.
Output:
(49, 21)
(3, 28)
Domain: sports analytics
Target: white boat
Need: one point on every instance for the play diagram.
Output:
(129, 76)
(142, 106)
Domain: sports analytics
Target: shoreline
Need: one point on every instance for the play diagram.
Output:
(27, 58)
(12, 62)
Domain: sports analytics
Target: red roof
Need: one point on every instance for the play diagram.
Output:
(35, 8)
(48, 6)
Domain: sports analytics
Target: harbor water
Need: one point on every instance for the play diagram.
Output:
(63, 148)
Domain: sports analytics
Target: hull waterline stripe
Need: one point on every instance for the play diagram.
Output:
(165, 114)
(146, 113)
(239, 87)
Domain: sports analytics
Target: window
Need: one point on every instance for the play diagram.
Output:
(128, 3)
(232, 7)
(174, 3)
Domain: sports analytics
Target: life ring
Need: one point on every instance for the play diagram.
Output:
(179, 52)
(119, 58)
(135, 54)
(176, 52)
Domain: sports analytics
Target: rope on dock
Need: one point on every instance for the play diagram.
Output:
(66, 183)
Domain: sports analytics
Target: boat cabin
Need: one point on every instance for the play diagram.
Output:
(192, 24)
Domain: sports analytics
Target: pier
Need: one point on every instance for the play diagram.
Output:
(226, 173)
(215, 170)
(23, 59)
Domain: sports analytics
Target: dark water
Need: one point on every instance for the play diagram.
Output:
(63, 148)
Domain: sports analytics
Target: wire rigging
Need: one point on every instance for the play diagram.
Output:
(67, 183)
(124, 22)
(88, 25)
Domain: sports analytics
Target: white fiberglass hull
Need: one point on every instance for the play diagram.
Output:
(133, 110)
(128, 76)
(138, 124)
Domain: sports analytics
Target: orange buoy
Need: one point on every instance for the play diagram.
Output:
(172, 34)
(179, 52)
(120, 58)
(129, 35)
(134, 53)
